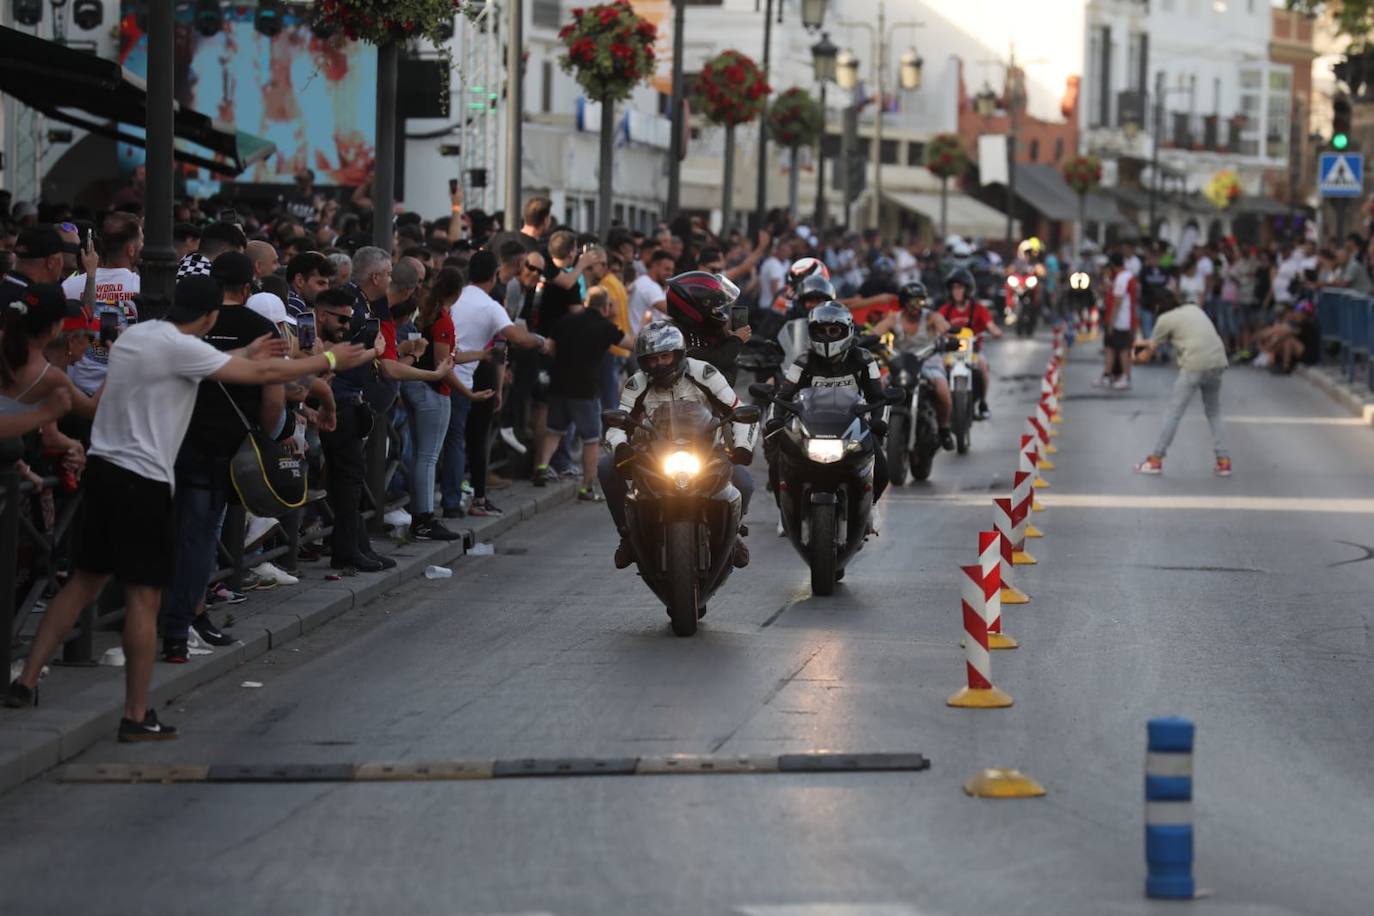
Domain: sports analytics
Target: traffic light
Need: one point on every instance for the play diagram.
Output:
(1340, 122)
(208, 18)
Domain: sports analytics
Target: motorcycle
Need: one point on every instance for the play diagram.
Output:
(682, 511)
(959, 369)
(913, 430)
(1023, 302)
(825, 476)
(769, 350)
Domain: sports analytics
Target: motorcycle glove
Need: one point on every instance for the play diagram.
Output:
(624, 454)
(742, 456)
(772, 426)
(879, 428)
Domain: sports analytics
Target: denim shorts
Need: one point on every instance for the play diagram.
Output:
(582, 415)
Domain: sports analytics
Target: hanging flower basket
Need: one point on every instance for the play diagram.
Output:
(609, 49)
(945, 156)
(1223, 190)
(795, 118)
(731, 89)
(381, 22)
(1083, 173)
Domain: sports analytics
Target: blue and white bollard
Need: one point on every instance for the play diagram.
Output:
(1169, 809)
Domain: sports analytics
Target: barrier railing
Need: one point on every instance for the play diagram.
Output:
(49, 551)
(1346, 319)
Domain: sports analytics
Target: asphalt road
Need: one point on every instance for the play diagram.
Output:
(1242, 603)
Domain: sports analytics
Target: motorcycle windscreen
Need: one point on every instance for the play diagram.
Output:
(684, 423)
(794, 340)
(828, 411)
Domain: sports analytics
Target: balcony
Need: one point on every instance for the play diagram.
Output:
(1205, 133)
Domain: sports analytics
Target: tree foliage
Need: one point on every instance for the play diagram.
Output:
(1354, 18)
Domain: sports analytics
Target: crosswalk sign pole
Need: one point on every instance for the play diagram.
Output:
(1342, 205)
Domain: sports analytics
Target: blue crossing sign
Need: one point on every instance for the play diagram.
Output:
(1341, 174)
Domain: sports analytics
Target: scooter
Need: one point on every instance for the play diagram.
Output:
(682, 511)
(913, 429)
(825, 476)
(959, 369)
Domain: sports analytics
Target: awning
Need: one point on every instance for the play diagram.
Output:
(1101, 208)
(1045, 190)
(98, 95)
(964, 215)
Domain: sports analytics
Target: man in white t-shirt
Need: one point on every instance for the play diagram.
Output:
(116, 285)
(772, 274)
(648, 300)
(478, 319)
(125, 526)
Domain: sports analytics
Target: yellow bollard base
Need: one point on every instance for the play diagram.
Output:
(984, 698)
(1010, 594)
(1021, 558)
(1057, 419)
(1045, 465)
(1000, 783)
(1040, 483)
(1051, 449)
(1001, 641)
(1053, 432)
(1034, 532)
(1036, 507)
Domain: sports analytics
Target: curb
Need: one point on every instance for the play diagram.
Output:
(45, 737)
(1360, 405)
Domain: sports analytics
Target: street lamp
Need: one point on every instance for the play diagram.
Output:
(847, 70)
(911, 64)
(813, 14)
(823, 58)
(985, 102)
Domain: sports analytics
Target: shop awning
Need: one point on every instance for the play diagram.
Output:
(99, 95)
(964, 215)
(1045, 190)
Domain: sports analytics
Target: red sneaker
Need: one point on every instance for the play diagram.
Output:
(1151, 465)
(1223, 467)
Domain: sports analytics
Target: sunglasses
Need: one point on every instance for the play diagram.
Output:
(529, 266)
(342, 316)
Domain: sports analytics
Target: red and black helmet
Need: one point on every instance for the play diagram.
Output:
(803, 268)
(700, 302)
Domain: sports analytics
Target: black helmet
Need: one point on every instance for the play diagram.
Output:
(831, 329)
(815, 290)
(915, 291)
(661, 337)
(962, 277)
(700, 302)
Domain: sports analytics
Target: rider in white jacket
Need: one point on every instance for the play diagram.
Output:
(667, 374)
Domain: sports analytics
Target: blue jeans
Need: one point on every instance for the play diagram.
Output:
(429, 421)
(1147, 323)
(615, 488)
(1209, 383)
(611, 368)
(455, 451)
(198, 516)
(402, 421)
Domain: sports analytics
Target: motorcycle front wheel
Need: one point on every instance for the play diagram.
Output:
(681, 543)
(963, 418)
(896, 449)
(822, 549)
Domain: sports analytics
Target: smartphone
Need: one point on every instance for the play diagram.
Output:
(305, 331)
(368, 331)
(453, 186)
(109, 327)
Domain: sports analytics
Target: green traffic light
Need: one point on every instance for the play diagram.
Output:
(1340, 141)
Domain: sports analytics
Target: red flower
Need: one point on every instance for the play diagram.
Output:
(564, 32)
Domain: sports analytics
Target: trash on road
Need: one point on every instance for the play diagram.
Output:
(251, 684)
(437, 572)
(482, 550)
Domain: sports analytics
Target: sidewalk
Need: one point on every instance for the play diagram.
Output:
(80, 706)
(1356, 398)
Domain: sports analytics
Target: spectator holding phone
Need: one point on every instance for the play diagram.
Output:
(126, 526)
(116, 286)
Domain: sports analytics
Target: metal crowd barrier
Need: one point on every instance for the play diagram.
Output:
(49, 552)
(1346, 320)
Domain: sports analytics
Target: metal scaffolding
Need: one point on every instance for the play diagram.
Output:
(477, 97)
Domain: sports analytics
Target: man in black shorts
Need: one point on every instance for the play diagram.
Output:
(125, 527)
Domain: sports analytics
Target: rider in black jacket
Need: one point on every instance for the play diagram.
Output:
(699, 304)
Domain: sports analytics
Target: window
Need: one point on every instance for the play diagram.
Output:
(916, 154)
(547, 14)
(1059, 149)
(1094, 86)
(546, 86)
(830, 145)
(665, 105)
(1138, 61)
(1035, 151)
(889, 152)
(1104, 112)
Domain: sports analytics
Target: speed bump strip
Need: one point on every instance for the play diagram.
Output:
(399, 771)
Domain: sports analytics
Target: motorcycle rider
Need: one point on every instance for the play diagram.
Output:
(699, 306)
(833, 361)
(801, 270)
(913, 327)
(666, 373)
(961, 311)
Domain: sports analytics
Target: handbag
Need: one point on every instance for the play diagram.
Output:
(269, 480)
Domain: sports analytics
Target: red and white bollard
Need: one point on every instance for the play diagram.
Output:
(1033, 428)
(1027, 459)
(1005, 525)
(990, 559)
(978, 692)
(1023, 499)
(1042, 414)
(1022, 495)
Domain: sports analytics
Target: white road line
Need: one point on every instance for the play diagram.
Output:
(832, 909)
(1209, 503)
(1303, 421)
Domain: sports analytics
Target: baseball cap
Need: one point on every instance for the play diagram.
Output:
(76, 318)
(195, 298)
(43, 303)
(270, 306)
(39, 241)
(233, 268)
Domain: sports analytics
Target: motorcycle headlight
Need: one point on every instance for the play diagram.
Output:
(904, 378)
(825, 451)
(1013, 282)
(682, 467)
(1031, 282)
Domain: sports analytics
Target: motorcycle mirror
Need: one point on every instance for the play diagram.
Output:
(747, 413)
(761, 390)
(615, 419)
(894, 396)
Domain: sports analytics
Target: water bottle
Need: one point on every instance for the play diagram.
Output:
(437, 572)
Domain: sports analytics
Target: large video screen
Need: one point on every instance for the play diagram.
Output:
(315, 99)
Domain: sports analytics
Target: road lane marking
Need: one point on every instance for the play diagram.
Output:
(1303, 421)
(1209, 503)
(832, 909)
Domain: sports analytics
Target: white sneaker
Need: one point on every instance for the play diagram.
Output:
(397, 518)
(1121, 384)
(512, 442)
(258, 528)
(273, 574)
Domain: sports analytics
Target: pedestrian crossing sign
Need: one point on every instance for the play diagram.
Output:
(1341, 174)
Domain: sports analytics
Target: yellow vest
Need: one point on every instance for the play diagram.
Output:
(620, 307)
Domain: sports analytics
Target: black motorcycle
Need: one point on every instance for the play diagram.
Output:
(682, 511)
(913, 430)
(825, 476)
(1023, 293)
